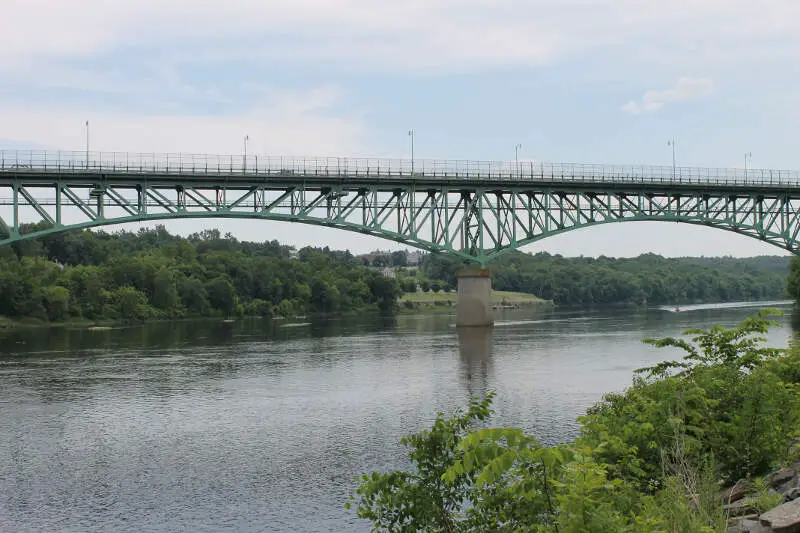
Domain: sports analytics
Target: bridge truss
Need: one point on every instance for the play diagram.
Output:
(475, 210)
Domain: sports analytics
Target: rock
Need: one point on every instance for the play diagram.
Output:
(736, 492)
(793, 494)
(785, 479)
(786, 486)
(783, 475)
(753, 526)
(784, 518)
(740, 508)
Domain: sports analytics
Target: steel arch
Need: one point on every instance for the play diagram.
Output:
(475, 211)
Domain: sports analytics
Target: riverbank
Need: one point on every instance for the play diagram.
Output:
(105, 324)
(500, 299)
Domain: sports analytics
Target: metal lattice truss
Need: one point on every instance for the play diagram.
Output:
(475, 216)
(476, 224)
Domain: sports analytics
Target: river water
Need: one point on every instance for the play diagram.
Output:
(263, 426)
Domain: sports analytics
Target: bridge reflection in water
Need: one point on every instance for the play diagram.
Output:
(475, 348)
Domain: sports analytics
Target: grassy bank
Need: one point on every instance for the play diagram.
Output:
(498, 298)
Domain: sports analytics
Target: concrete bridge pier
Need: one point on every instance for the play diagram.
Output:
(474, 302)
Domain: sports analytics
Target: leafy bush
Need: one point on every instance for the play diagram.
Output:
(724, 396)
(648, 460)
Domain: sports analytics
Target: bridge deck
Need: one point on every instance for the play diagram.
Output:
(39, 167)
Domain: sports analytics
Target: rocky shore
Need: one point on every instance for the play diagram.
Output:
(743, 502)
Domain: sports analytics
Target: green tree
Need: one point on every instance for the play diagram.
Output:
(222, 295)
(399, 259)
(385, 292)
(130, 303)
(194, 296)
(421, 500)
(793, 280)
(165, 292)
(57, 302)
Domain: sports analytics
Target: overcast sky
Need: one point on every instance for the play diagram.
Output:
(606, 81)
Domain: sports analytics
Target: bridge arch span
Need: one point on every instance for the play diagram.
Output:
(473, 210)
(776, 239)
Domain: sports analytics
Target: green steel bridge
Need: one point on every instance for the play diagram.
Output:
(472, 209)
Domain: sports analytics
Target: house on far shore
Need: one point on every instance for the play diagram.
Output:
(388, 272)
(399, 258)
(414, 258)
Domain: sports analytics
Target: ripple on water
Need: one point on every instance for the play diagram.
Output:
(266, 429)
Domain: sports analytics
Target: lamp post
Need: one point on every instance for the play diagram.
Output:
(411, 135)
(672, 143)
(244, 157)
(517, 148)
(87, 145)
(748, 155)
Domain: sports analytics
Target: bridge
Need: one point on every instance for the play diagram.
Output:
(475, 210)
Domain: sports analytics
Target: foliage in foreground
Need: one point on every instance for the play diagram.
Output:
(648, 460)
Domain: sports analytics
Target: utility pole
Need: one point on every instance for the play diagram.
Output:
(411, 134)
(244, 157)
(672, 143)
(87, 145)
(748, 155)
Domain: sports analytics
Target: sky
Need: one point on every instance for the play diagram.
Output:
(595, 81)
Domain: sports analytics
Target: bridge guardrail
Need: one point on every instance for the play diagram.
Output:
(63, 162)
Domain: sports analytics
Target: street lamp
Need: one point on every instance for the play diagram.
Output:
(748, 155)
(517, 148)
(87, 145)
(411, 134)
(672, 143)
(244, 158)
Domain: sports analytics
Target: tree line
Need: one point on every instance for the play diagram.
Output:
(645, 280)
(152, 274)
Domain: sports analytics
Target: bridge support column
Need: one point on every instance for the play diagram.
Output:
(474, 303)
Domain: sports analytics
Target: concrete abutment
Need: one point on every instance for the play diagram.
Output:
(474, 303)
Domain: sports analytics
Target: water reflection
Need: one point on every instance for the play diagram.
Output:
(475, 351)
(180, 419)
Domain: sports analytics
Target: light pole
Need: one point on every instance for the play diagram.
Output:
(244, 157)
(87, 145)
(517, 148)
(411, 134)
(748, 155)
(672, 143)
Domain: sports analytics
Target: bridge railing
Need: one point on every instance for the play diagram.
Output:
(155, 164)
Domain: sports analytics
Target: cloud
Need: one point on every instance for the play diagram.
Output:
(443, 35)
(281, 122)
(684, 89)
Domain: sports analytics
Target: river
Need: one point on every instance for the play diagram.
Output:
(263, 426)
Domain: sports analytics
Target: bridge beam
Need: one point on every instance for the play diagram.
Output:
(474, 301)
